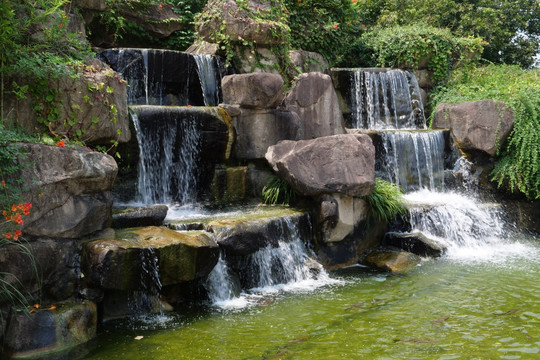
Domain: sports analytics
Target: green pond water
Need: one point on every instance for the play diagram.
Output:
(477, 304)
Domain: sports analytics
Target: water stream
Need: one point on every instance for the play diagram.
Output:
(481, 300)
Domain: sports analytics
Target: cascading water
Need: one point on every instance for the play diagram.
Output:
(168, 154)
(289, 266)
(385, 99)
(209, 81)
(413, 160)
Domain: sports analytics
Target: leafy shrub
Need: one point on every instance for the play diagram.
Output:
(385, 203)
(410, 46)
(518, 161)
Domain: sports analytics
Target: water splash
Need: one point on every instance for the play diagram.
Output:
(288, 267)
(413, 160)
(386, 99)
(168, 155)
(209, 81)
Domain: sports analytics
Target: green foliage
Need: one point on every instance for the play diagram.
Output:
(385, 203)
(518, 161)
(114, 23)
(326, 27)
(277, 191)
(410, 46)
(510, 27)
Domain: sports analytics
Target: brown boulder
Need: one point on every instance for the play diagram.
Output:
(478, 126)
(391, 260)
(343, 164)
(314, 99)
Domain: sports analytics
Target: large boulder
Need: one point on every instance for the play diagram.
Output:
(255, 90)
(256, 130)
(478, 126)
(241, 23)
(50, 331)
(342, 164)
(135, 259)
(160, 20)
(69, 190)
(308, 61)
(314, 99)
(91, 107)
(48, 272)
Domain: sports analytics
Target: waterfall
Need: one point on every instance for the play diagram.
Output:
(413, 160)
(168, 155)
(289, 266)
(209, 81)
(386, 99)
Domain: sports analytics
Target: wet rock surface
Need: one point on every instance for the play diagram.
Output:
(126, 217)
(140, 256)
(50, 331)
(395, 261)
(255, 90)
(416, 243)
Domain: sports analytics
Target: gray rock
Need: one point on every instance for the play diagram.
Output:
(69, 190)
(58, 269)
(477, 126)
(315, 101)
(50, 331)
(339, 216)
(343, 164)
(160, 20)
(395, 261)
(256, 130)
(256, 90)
(122, 263)
(416, 243)
(139, 216)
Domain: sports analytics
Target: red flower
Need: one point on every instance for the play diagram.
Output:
(61, 143)
(61, 25)
(354, 1)
(335, 26)
(3, 183)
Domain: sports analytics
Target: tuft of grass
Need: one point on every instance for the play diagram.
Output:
(385, 203)
(277, 191)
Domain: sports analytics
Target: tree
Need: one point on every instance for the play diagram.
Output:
(511, 27)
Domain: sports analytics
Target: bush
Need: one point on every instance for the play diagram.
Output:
(277, 191)
(518, 161)
(410, 46)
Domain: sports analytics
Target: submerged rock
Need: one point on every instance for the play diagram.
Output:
(50, 331)
(138, 257)
(478, 126)
(139, 216)
(391, 260)
(416, 243)
(342, 164)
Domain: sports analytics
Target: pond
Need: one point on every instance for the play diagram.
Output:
(480, 304)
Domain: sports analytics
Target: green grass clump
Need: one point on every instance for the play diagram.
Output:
(385, 203)
(518, 160)
(277, 191)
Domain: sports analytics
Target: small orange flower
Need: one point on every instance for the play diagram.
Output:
(52, 307)
(335, 26)
(61, 25)
(32, 311)
(160, 6)
(37, 306)
(189, 105)
(61, 143)
(3, 183)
